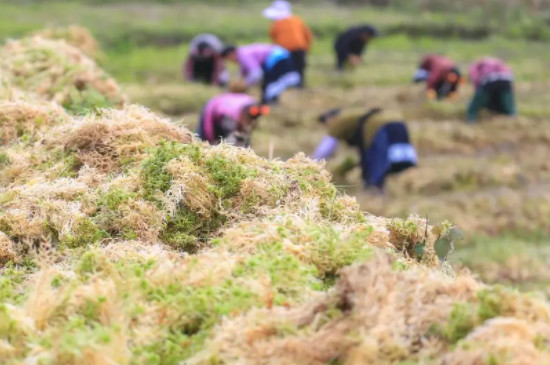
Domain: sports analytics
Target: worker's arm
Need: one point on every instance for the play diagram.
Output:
(421, 75)
(254, 76)
(326, 148)
(251, 70)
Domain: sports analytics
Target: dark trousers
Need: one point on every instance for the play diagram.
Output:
(375, 162)
(203, 69)
(496, 96)
(341, 60)
(299, 60)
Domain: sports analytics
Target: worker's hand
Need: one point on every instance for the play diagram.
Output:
(354, 60)
(431, 94)
(453, 96)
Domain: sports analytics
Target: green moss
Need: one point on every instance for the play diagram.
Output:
(89, 263)
(200, 309)
(50, 230)
(114, 198)
(329, 252)
(84, 232)
(156, 178)
(129, 234)
(491, 302)
(406, 237)
(5, 226)
(228, 175)
(8, 326)
(71, 165)
(288, 275)
(4, 160)
(11, 277)
(87, 100)
(186, 229)
(462, 321)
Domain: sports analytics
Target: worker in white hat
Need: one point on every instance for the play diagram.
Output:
(290, 32)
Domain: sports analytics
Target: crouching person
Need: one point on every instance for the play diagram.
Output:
(204, 63)
(493, 81)
(381, 138)
(230, 117)
(441, 75)
(351, 44)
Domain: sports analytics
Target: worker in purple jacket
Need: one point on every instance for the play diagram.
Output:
(268, 64)
(231, 117)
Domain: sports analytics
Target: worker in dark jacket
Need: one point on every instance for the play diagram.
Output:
(204, 63)
(442, 76)
(381, 137)
(351, 44)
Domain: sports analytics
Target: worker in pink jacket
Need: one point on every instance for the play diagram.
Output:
(231, 117)
(493, 81)
(268, 64)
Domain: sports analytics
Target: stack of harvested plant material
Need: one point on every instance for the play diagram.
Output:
(76, 36)
(56, 71)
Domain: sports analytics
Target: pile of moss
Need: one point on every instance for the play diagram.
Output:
(74, 35)
(57, 71)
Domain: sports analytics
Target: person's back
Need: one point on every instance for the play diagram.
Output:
(221, 115)
(291, 33)
(380, 136)
(251, 57)
(489, 68)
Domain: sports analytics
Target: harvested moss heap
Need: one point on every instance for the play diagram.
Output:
(54, 70)
(124, 240)
(76, 36)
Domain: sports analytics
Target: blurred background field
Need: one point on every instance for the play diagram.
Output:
(490, 179)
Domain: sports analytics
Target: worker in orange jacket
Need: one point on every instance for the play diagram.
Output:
(289, 31)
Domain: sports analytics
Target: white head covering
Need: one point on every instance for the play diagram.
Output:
(280, 9)
(210, 39)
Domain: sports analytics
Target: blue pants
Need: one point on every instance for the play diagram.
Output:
(390, 152)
